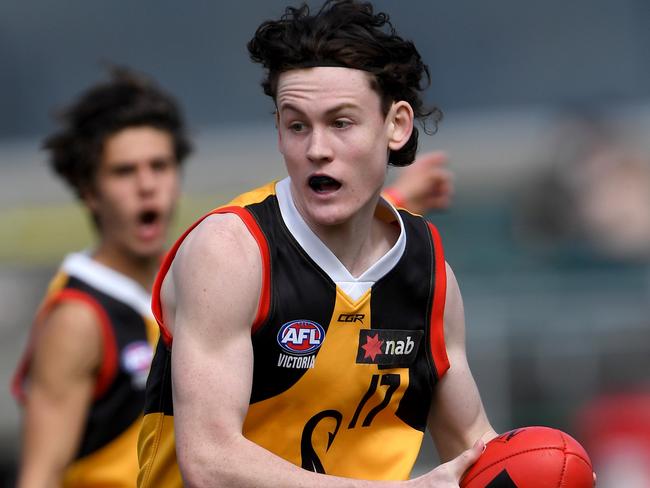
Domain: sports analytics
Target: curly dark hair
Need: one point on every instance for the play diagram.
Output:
(350, 34)
(127, 99)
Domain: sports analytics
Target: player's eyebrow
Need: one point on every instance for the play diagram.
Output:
(330, 111)
(341, 107)
(284, 106)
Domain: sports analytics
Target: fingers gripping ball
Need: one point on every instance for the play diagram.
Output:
(531, 457)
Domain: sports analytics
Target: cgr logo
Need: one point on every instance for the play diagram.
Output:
(351, 317)
(301, 337)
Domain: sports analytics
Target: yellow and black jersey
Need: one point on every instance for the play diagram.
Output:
(345, 367)
(107, 454)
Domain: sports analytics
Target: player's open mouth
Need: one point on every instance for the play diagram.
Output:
(323, 184)
(148, 217)
(149, 224)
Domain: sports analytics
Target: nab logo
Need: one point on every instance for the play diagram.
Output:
(388, 347)
(351, 317)
(301, 337)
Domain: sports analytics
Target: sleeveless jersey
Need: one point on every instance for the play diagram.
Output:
(107, 454)
(342, 381)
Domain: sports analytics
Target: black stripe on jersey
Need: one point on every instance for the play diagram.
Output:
(305, 295)
(159, 383)
(402, 300)
(121, 404)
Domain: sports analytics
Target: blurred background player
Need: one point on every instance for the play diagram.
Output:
(82, 377)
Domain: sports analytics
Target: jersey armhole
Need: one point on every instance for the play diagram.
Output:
(264, 303)
(437, 323)
(265, 294)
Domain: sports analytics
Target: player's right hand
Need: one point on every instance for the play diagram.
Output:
(449, 474)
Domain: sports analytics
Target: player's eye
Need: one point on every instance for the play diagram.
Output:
(123, 170)
(341, 123)
(161, 164)
(297, 126)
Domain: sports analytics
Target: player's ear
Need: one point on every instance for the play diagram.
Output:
(400, 124)
(89, 198)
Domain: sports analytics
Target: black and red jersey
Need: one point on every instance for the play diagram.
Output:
(344, 367)
(107, 454)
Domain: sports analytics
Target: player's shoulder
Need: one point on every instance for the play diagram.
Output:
(216, 231)
(73, 316)
(221, 239)
(70, 328)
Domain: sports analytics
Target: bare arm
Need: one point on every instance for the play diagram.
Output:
(457, 417)
(210, 298)
(66, 355)
(425, 185)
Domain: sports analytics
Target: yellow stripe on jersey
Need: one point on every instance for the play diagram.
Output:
(114, 465)
(157, 450)
(254, 196)
(152, 330)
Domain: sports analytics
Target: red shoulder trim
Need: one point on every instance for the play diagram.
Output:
(437, 324)
(258, 235)
(253, 227)
(108, 367)
(156, 305)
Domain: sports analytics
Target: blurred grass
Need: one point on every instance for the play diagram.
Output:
(42, 235)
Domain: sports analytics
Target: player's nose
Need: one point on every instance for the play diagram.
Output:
(146, 180)
(319, 148)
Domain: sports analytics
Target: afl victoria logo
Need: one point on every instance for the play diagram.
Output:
(136, 360)
(301, 337)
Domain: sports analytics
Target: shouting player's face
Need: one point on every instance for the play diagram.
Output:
(135, 191)
(335, 140)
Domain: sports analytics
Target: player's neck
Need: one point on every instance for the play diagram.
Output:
(140, 269)
(359, 244)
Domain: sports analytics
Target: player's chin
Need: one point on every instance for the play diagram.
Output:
(330, 217)
(148, 249)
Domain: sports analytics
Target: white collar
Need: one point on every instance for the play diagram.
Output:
(107, 280)
(325, 258)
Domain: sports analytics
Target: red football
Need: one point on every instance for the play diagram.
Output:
(531, 457)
